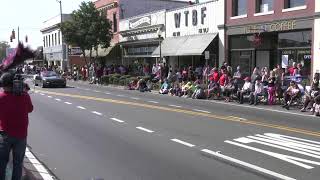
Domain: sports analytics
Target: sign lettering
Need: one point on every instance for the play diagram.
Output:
(277, 26)
(186, 13)
(195, 17)
(203, 14)
(142, 22)
(177, 19)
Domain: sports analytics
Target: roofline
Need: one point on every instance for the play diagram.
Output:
(183, 7)
(145, 14)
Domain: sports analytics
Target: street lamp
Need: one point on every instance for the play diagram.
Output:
(159, 32)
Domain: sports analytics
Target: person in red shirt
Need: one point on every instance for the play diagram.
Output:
(292, 68)
(13, 126)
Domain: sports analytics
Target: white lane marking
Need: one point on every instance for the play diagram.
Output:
(97, 91)
(290, 159)
(264, 109)
(107, 93)
(119, 95)
(41, 94)
(182, 142)
(247, 165)
(199, 110)
(134, 98)
(117, 120)
(80, 107)
(97, 113)
(68, 103)
(49, 96)
(39, 167)
(144, 129)
(87, 89)
(58, 99)
(172, 105)
(239, 118)
(155, 102)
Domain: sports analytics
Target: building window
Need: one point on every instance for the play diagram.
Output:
(115, 22)
(263, 6)
(49, 41)
(59, 38)
(239, 7)
(294, 3)
(55, 38)
(44, 42)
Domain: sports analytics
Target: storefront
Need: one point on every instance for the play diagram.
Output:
(140, 36)
(272, 43)
(190, 32)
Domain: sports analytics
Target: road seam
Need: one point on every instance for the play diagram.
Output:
(145, 129)
(183, 142)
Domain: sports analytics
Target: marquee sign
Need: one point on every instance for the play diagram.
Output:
(141, 22)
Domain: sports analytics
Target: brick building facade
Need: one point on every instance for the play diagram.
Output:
(265, 33)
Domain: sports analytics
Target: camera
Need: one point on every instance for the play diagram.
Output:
(18, 85)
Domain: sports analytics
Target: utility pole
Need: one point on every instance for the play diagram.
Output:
(63, 49)
(18, 34)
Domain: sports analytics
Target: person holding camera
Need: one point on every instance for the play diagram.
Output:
(14, 110)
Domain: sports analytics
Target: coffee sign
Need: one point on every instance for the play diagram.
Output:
(277, 26)
(141, 22)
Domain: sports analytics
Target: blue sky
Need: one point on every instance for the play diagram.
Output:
(29, 16)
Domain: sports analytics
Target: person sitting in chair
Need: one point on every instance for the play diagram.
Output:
(310, 96)
(164, 88)
(246, 89)
(258, 91)
(292, 93)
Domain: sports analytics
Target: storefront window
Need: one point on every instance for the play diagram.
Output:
(264, 6)
(302, 56)
(239, 7)
(241, 42)
(295, 39)
(294, 3)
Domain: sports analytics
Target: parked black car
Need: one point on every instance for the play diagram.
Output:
(49, 79)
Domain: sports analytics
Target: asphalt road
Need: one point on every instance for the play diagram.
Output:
(87, 131)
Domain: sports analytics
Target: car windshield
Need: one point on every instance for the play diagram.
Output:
(49, 74)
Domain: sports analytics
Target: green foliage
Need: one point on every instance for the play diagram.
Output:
(88, 28)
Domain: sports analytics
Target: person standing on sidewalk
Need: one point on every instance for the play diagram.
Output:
(14, 110)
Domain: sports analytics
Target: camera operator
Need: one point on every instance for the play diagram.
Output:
(14, 110)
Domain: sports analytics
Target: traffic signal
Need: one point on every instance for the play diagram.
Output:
(13, 34)
(11, 38)
(26, 39)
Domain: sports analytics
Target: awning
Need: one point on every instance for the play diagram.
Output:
(193, 45)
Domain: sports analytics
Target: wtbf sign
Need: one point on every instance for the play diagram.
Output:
(197, 19)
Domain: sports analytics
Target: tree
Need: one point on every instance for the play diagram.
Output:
(3, 47)
(87, 29)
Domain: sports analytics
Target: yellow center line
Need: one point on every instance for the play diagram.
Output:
(226, 118)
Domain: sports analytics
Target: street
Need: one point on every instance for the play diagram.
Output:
(88, 131)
